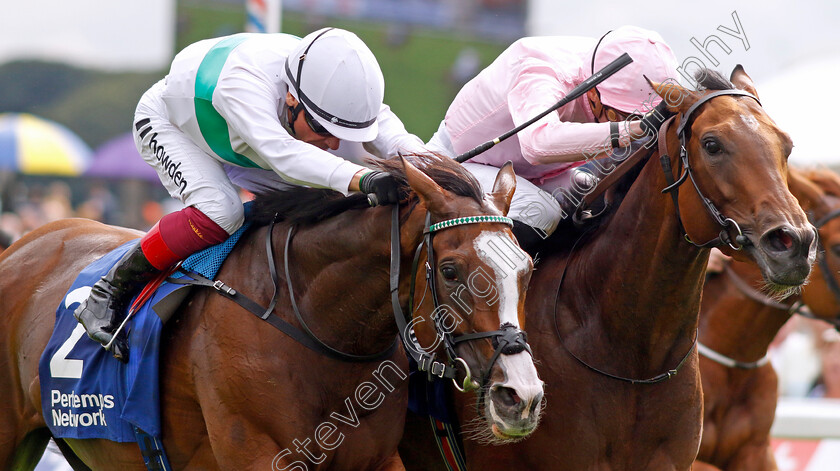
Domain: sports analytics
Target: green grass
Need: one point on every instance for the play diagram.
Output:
(416, 72)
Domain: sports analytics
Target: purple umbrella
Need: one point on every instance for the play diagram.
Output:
(118, 159)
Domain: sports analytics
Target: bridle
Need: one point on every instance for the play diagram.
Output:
(797, 307)
(726, 223)
(822, 262)
(673, 189)
(508, 340)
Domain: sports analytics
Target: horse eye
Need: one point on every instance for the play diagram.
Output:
(449, 273)
(835, 249)
(712, 147)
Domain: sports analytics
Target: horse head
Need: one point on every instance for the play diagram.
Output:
(818, 191)
(736, 157)
(472, 309)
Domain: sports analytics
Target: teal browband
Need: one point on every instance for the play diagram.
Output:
(469, 220)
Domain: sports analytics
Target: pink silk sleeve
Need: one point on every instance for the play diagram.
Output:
(562, 136)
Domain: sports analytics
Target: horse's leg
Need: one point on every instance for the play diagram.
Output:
(754, 457)
(29, 451)
(701, 466)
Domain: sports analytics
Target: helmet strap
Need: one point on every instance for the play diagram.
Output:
(288, 121)
(594, 51)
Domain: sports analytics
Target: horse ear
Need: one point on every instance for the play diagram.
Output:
(503, 188)
(430, 193)
(741, 80)
(676, 97)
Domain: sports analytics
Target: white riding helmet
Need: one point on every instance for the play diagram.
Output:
(338, 81)
(628, 90)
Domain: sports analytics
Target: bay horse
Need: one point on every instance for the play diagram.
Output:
(737, 324)
(237, 393)
(613, 313)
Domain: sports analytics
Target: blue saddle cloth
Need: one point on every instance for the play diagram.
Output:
(85, 392)
(429, 396)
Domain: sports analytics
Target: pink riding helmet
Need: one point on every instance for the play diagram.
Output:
(627, 90)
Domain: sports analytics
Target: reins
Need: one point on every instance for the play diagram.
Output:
(822, 262)
(652, 380)
(797, 307)
(726, 223)
(508, 340)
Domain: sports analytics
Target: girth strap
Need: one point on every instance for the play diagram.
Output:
(151, 449)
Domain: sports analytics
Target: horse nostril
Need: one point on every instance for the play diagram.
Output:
(781, 240)
(507, 396)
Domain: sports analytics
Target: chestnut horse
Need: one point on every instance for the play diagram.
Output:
(237, 393)
(613, 314)
(737, 324)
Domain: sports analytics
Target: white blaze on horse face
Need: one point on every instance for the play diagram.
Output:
(750, 121)
(521, 376)
(508, 263)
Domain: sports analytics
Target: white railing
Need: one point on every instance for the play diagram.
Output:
(806, 434)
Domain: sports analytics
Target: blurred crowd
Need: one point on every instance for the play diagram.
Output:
(806, 355)
(33, 204)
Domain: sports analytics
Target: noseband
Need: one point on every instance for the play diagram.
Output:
(797, 307)
(508, 340)
(674, 185)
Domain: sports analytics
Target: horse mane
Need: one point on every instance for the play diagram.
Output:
(568, 232)
(709, 79)
(306, 206)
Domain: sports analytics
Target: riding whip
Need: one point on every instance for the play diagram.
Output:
(576, 92)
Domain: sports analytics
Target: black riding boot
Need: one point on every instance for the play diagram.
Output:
(528, 237)
(104, 309)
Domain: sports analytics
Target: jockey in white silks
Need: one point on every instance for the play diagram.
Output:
(250, 110)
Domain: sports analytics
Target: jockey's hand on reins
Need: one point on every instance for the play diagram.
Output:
(381, 188)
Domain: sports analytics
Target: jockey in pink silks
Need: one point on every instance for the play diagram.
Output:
(528, 78)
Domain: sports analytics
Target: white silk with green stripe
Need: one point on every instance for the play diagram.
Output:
(228, 95)
(213, 127)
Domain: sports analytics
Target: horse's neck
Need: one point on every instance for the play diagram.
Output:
(638, 282)
(733, 324)
(340, 271)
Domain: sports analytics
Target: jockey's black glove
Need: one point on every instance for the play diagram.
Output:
(652, 121)
(382, 185)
